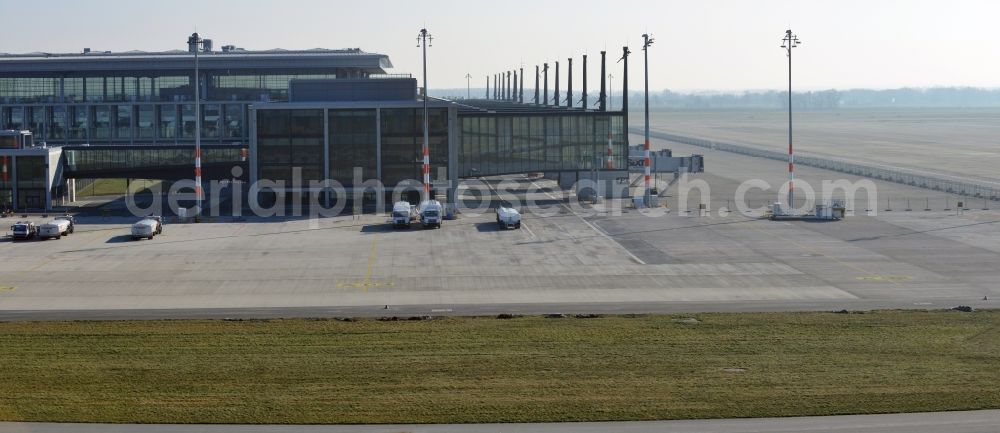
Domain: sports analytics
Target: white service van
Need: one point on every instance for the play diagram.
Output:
(147, 228)
(402, 214)
(56, 228)
(431, 213)
(23, 230)
(508, 218)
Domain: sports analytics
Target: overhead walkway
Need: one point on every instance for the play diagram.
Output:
(168, 162)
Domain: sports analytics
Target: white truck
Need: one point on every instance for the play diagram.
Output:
(431, 213)
(147, 228)
(23, 230)
(56, 228)
(402, 214)
(508, 218)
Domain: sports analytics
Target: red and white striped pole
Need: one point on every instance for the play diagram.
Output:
(647, 168)
(791, 175)
(427, 171)
(422, 40)
(197, 177)
(196, 41)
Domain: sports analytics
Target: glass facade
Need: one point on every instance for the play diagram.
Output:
(168, 121)
(145, 122)
(58, 124)
(288, 139)
(30, 182)
(85, 160)
(353, 141)
(123, 122)
(487, 143)
(77, 123)
(145, 107)
(37, 120)
(210, 120)
(187, 121)
(234, 121)
(402, 143)
(29, 90)
(255, 86)
(101, 128)
(493, 144)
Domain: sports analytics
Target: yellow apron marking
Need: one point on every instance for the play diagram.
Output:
(367, 283)
(868, 274)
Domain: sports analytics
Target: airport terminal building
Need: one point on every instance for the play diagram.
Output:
(280, 115)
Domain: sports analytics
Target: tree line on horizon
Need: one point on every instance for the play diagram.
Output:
(937, 97)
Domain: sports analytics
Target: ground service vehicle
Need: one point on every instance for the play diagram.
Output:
(56, 228)
(508, 218)
(402, 214)
(147, 228)
(431, 213)
(72, 222)
(24, 230)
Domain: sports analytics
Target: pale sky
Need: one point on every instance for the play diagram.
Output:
(700, 45)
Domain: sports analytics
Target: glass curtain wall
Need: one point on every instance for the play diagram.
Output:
(234, 121)
(353, 138)
(123, 122)
(402, 143)
(307, 143)
(287, 139)
(30, 182)
(145, 122)
(168, 121)
(513, 143)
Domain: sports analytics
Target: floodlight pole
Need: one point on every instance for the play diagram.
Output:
(468, 86)
(422, 40)
(790, 41)
(198, 192)
(647, 41)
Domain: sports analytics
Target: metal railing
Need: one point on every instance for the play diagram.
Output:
(896, 175)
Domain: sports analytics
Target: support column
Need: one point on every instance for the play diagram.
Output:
(569, 84)
(506, 88)
(602, 100)
(545, 100)
(625, 53)
(513, 96)
(520, 93)
(556, 95)
(584, 99)
(536, 84)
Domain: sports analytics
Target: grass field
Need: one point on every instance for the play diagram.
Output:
(99, 187)
(485, 369)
